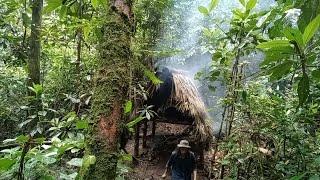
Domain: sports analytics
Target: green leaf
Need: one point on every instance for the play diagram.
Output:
(88, 160)
(134, 122)
(24, 123)
(52, 5)
(316, 74)
(276, 54)
(294, 34)
(82, 125)
(314, 177)
(22, 139)
(63, 11)
(128, 107)
(263, 19)
(75, 162)
(317, 161)
(154, 79)
(225, 162)
(244, 95)
(86, 31)
(203, 10)
(37, 89)
(213, 4)
(6, 163)
(303, 89)
(47, 177)
(243, 2)
(95, 3)
(126, 157)
(26, 20)
(68, 176)
(280, 70)
(298, 177)
(40, 140)
(311, 29)
(251, 4)
(273, 44)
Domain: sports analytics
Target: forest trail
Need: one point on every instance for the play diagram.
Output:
(151, 164)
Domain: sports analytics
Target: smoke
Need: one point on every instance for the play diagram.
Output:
(182, 32)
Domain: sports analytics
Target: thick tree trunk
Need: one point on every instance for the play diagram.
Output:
(35, 43)
(34, 60)
(111, 90)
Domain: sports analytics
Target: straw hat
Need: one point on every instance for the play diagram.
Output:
(184, 143)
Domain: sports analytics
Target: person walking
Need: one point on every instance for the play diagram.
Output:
(182, 163)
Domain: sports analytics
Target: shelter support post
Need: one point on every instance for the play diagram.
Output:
(145, 131)
(201, 158)
(136, 141)
(153, 128)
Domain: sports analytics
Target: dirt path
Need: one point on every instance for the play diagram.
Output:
(151, 165)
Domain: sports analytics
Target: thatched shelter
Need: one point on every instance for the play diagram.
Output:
(177, 101)
(183, 105)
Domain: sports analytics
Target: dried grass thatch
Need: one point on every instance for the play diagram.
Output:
(186, 98)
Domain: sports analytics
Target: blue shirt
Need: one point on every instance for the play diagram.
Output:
(182, 168)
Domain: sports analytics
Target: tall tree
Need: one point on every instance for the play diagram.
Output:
(111, 89)
(35, 43)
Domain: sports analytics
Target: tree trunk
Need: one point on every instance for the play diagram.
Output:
(35, 43)
(34, 61)
(111, 90)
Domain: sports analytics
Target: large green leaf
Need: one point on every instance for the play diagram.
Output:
(277, 54)
(243, 2)
(128, 107)
(303, 89)
(134, 122)
(203, 10)
(274, 44)
(251, 4)
(22, 139)
(63, 11)
(311, 29)
(82, 124)
(52, 5)
(294, 34)
(6, 163)
(152, 77)
(213, 4)
(273, 56)
(75, 162)
(298, 177)
(280, 70)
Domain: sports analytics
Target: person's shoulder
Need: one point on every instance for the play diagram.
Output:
(192, 154)
(174, 153)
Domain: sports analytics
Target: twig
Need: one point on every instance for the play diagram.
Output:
(23, 154)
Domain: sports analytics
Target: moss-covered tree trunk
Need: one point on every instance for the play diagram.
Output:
(35, 44)
(111, 89)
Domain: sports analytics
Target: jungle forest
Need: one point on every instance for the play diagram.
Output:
(159, 89)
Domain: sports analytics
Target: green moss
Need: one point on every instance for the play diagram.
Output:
(111, 85)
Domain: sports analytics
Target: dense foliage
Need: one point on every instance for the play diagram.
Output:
(270, 117)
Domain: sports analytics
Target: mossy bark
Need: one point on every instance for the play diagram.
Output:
(111, 90)
(35, 44)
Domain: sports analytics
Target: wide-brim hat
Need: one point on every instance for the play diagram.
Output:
(184, 144)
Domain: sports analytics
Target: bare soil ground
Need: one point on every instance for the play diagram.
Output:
(152, 160)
